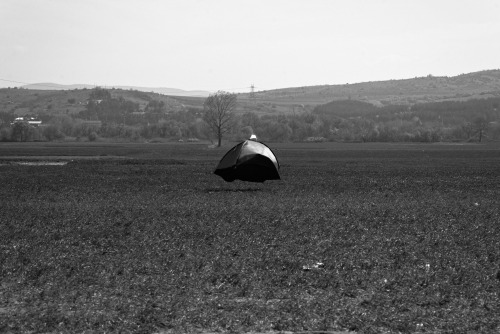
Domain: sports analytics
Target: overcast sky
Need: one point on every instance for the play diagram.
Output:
(231, 44)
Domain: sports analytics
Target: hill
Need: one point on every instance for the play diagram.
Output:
(50, 99)
(481, 84)
(159, 90)
(22, 102)
(462, 108)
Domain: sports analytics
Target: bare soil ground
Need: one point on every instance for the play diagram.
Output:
(154, 242)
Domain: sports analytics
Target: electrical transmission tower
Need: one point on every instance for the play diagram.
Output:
(252, 92)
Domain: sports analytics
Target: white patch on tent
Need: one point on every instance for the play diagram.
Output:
(251, 147)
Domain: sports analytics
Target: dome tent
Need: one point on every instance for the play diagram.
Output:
(250, 161)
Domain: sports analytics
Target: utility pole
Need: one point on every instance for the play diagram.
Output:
(252, 93)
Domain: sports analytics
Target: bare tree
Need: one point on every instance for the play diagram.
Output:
(219, 108)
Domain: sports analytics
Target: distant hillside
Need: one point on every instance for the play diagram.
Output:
(159, 90)
(462, 108)
(49, 98)
(481, 84)
(22, 102)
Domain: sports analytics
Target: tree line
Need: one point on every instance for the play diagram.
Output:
(347, 120)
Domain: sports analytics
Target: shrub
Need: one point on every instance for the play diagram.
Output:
(5, 133)
(92, 136)
(315, 139)
(52, 132)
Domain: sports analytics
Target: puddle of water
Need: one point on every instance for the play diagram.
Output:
(40, 163)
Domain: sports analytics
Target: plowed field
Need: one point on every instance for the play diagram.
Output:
(144, 238)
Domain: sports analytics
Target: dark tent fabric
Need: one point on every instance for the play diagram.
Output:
(249, 161)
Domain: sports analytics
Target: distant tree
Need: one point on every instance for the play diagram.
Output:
(219, 113)
(6, 117)
(155, 106)
(63, 123)
(92, 136)
(468, 129)
(365, 129)
(20, 131)
(99, 93)
(170, 129)
(52, 132)
(276, 131)
(250, 119)
(5, 133)
(113, 110)
(346, 108)
(481, 126)
(246, 132)
(494, 131)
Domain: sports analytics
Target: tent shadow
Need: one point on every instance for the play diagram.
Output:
(218, 190)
